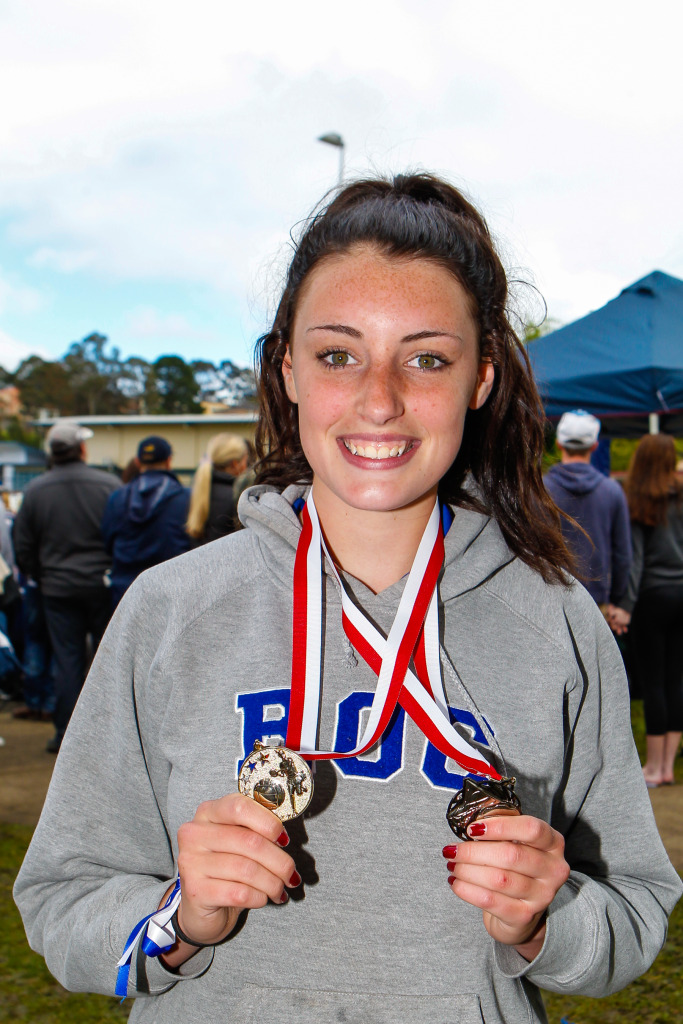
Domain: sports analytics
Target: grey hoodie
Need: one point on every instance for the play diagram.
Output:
(196, 664)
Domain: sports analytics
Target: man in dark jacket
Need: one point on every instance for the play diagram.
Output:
(598, 504)
(144, 522)
(58, 543)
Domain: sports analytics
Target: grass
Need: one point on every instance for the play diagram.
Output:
(28, 992)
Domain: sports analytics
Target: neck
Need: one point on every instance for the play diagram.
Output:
(378, 548)
(567, 458)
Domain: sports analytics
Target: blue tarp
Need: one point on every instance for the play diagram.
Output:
(625, 359)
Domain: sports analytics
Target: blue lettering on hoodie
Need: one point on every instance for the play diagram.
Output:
(264, 718)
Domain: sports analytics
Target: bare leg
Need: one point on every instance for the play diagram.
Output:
(671, 743)
(652, 769)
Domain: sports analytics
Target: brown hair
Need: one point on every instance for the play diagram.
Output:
(420, 216)
(651, 480)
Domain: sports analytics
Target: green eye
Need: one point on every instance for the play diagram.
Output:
(338, 358)
(426, 362)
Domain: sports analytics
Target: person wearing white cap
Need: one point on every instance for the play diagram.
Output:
(598, 504)
(58, 543)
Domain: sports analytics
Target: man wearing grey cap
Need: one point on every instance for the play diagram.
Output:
(598, 504)
(58, 543)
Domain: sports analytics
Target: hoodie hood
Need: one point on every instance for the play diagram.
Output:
(149, 493)
(475, 548)
(576, 477)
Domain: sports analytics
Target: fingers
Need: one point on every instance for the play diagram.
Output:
(496, 890)
(236, 809)
(228, 880)
(512, 874)
(515, 913)
(220, 848)
(518, 828)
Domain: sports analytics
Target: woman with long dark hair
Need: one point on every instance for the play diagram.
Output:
(281, 733)
(655, 599)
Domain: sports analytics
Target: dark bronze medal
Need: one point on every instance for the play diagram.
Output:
(277, 778)
(481, 799)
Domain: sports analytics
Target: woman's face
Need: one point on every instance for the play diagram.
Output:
(383, 364)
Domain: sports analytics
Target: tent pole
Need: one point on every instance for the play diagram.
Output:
(654, 423)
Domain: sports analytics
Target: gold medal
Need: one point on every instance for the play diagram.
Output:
(277, 778)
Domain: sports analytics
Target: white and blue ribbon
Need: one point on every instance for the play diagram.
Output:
(156, 933)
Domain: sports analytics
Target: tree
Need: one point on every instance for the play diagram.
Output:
(44, 386)
(173, 387)
(533, 331)
(94, 376)
(226, 383)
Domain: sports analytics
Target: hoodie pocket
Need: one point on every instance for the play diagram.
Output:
(325, 1006)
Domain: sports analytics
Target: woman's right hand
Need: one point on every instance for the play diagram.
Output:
(230, 858)
(618, 619)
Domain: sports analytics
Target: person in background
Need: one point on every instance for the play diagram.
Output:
(597, 504)
(248, 477)
(144, 521)
(58, 543)
(213, 509)
(653, 603)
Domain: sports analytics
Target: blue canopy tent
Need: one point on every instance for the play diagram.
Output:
(623, 363)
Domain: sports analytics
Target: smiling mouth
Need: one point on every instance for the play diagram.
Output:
(376, 452)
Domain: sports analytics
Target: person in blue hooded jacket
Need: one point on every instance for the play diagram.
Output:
(596, 503)
(145, 525)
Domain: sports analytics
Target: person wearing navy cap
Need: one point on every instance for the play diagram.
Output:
(145, 524)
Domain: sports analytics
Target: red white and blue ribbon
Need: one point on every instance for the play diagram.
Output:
(414, 636)
(156, 933)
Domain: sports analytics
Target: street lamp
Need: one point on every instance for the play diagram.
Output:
(333, 139)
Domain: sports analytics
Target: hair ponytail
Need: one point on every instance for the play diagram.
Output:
(200, 499)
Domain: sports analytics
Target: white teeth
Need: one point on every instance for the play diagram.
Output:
(376, 451)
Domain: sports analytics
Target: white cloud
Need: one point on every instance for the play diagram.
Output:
(65, 261)
(16, 297)
(149, 323)
(12, 351)
(159, 141)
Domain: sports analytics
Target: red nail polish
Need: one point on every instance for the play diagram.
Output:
(477, 829)
(282, 839)
(451, 865)
(283, 898)
(294, 880)
(449, 851)
(451, 879)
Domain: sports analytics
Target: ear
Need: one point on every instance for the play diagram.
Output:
(288, 377)
(485, 378)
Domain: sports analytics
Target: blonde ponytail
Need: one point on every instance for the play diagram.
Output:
(199, 499)
(221, 451)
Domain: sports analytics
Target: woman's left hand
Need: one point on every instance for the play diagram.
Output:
(512, 872)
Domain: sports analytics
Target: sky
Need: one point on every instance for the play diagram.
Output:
(154, 157)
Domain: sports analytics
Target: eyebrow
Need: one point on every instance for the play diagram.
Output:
(352, 332)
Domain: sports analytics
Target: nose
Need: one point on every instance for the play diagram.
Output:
(380, 399)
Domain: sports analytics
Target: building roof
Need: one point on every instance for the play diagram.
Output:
(13, 453)
(238, 416)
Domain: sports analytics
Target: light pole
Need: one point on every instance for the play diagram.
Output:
(333, 139)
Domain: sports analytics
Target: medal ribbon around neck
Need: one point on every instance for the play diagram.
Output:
(414, 634)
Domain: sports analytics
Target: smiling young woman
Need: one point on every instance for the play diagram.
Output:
(398, 615)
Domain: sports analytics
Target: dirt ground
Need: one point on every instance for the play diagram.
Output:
(25, 770)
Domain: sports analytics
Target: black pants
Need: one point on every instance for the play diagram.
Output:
(70, 620)
(657, 636)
